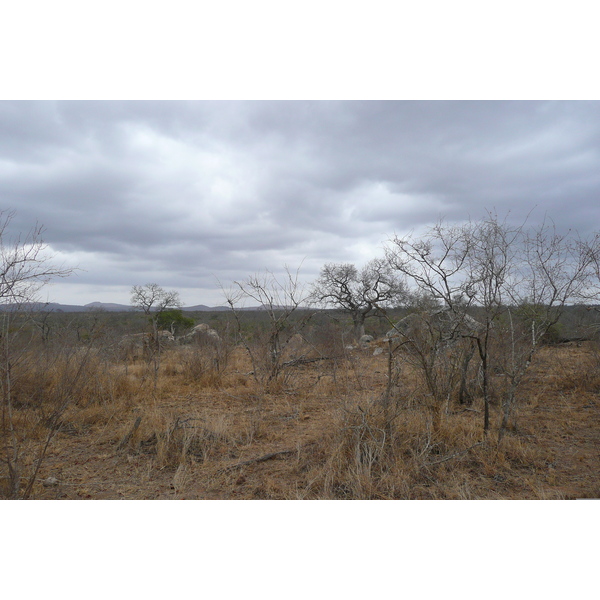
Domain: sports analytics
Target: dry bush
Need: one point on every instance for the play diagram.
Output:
(441, 375)
(194, 432)
(408, 446)
(574, 369)
(379, 451)
(327, 338)
(80, 376)
(58, 389)
(38, 387)
(174, 440)
(403, 450)
(203, 361)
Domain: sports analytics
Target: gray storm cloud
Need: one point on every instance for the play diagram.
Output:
(184, 193)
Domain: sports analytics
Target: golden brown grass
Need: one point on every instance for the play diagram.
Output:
(208, 428)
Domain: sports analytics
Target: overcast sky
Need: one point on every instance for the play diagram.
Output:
(186, 194)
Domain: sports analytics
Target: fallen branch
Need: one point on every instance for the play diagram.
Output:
(435, 462)
(306, 361)
(256, 460)
(126, 439)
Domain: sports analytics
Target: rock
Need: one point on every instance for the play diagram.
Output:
(135, 345)
(201, 332)
(365, 341)
(165, 336)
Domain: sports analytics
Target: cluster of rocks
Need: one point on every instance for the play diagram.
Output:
(135, 344)
(445, 325)
(201, 332)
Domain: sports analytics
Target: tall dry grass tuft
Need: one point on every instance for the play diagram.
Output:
(196, 364)
(82, 377)
(572, 369)
(174, 440)
(357, 452)
(38, 388)
(378, 451)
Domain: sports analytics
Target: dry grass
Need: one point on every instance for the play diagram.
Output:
(206, 428)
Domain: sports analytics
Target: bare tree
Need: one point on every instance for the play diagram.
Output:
(280, 298)
(435, 265)
(361, 293)
(25, 266)
(517, 280)
(590, 294)
(552, 271)
(492, 269)
(154, 300)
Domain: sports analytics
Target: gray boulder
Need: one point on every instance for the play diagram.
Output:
(365, 341)
(201, 333)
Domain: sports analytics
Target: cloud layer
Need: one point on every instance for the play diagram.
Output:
(190, 193)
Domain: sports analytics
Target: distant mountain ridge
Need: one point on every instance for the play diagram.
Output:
(104, 306)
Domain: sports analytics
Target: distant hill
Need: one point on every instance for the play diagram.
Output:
(104, 306)
(43, 307)
(124, 307)
(113, 307)
(108, 306)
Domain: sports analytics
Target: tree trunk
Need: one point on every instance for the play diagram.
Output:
(483, 355)
(464, 397)
(359, 325)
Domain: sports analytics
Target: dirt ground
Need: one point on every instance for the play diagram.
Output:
(254, 445)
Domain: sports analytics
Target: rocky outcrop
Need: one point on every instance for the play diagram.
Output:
(201, 333)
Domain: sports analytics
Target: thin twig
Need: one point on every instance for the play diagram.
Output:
(256, 460)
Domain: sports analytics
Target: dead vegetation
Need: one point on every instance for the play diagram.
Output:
(462, 400)
(90, 425)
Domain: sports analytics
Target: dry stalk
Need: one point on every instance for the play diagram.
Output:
(455, 455)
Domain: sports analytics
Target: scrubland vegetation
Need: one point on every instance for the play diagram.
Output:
(480, 379)
(89, 421)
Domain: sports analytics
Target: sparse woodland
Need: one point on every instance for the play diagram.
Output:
(480, 378)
